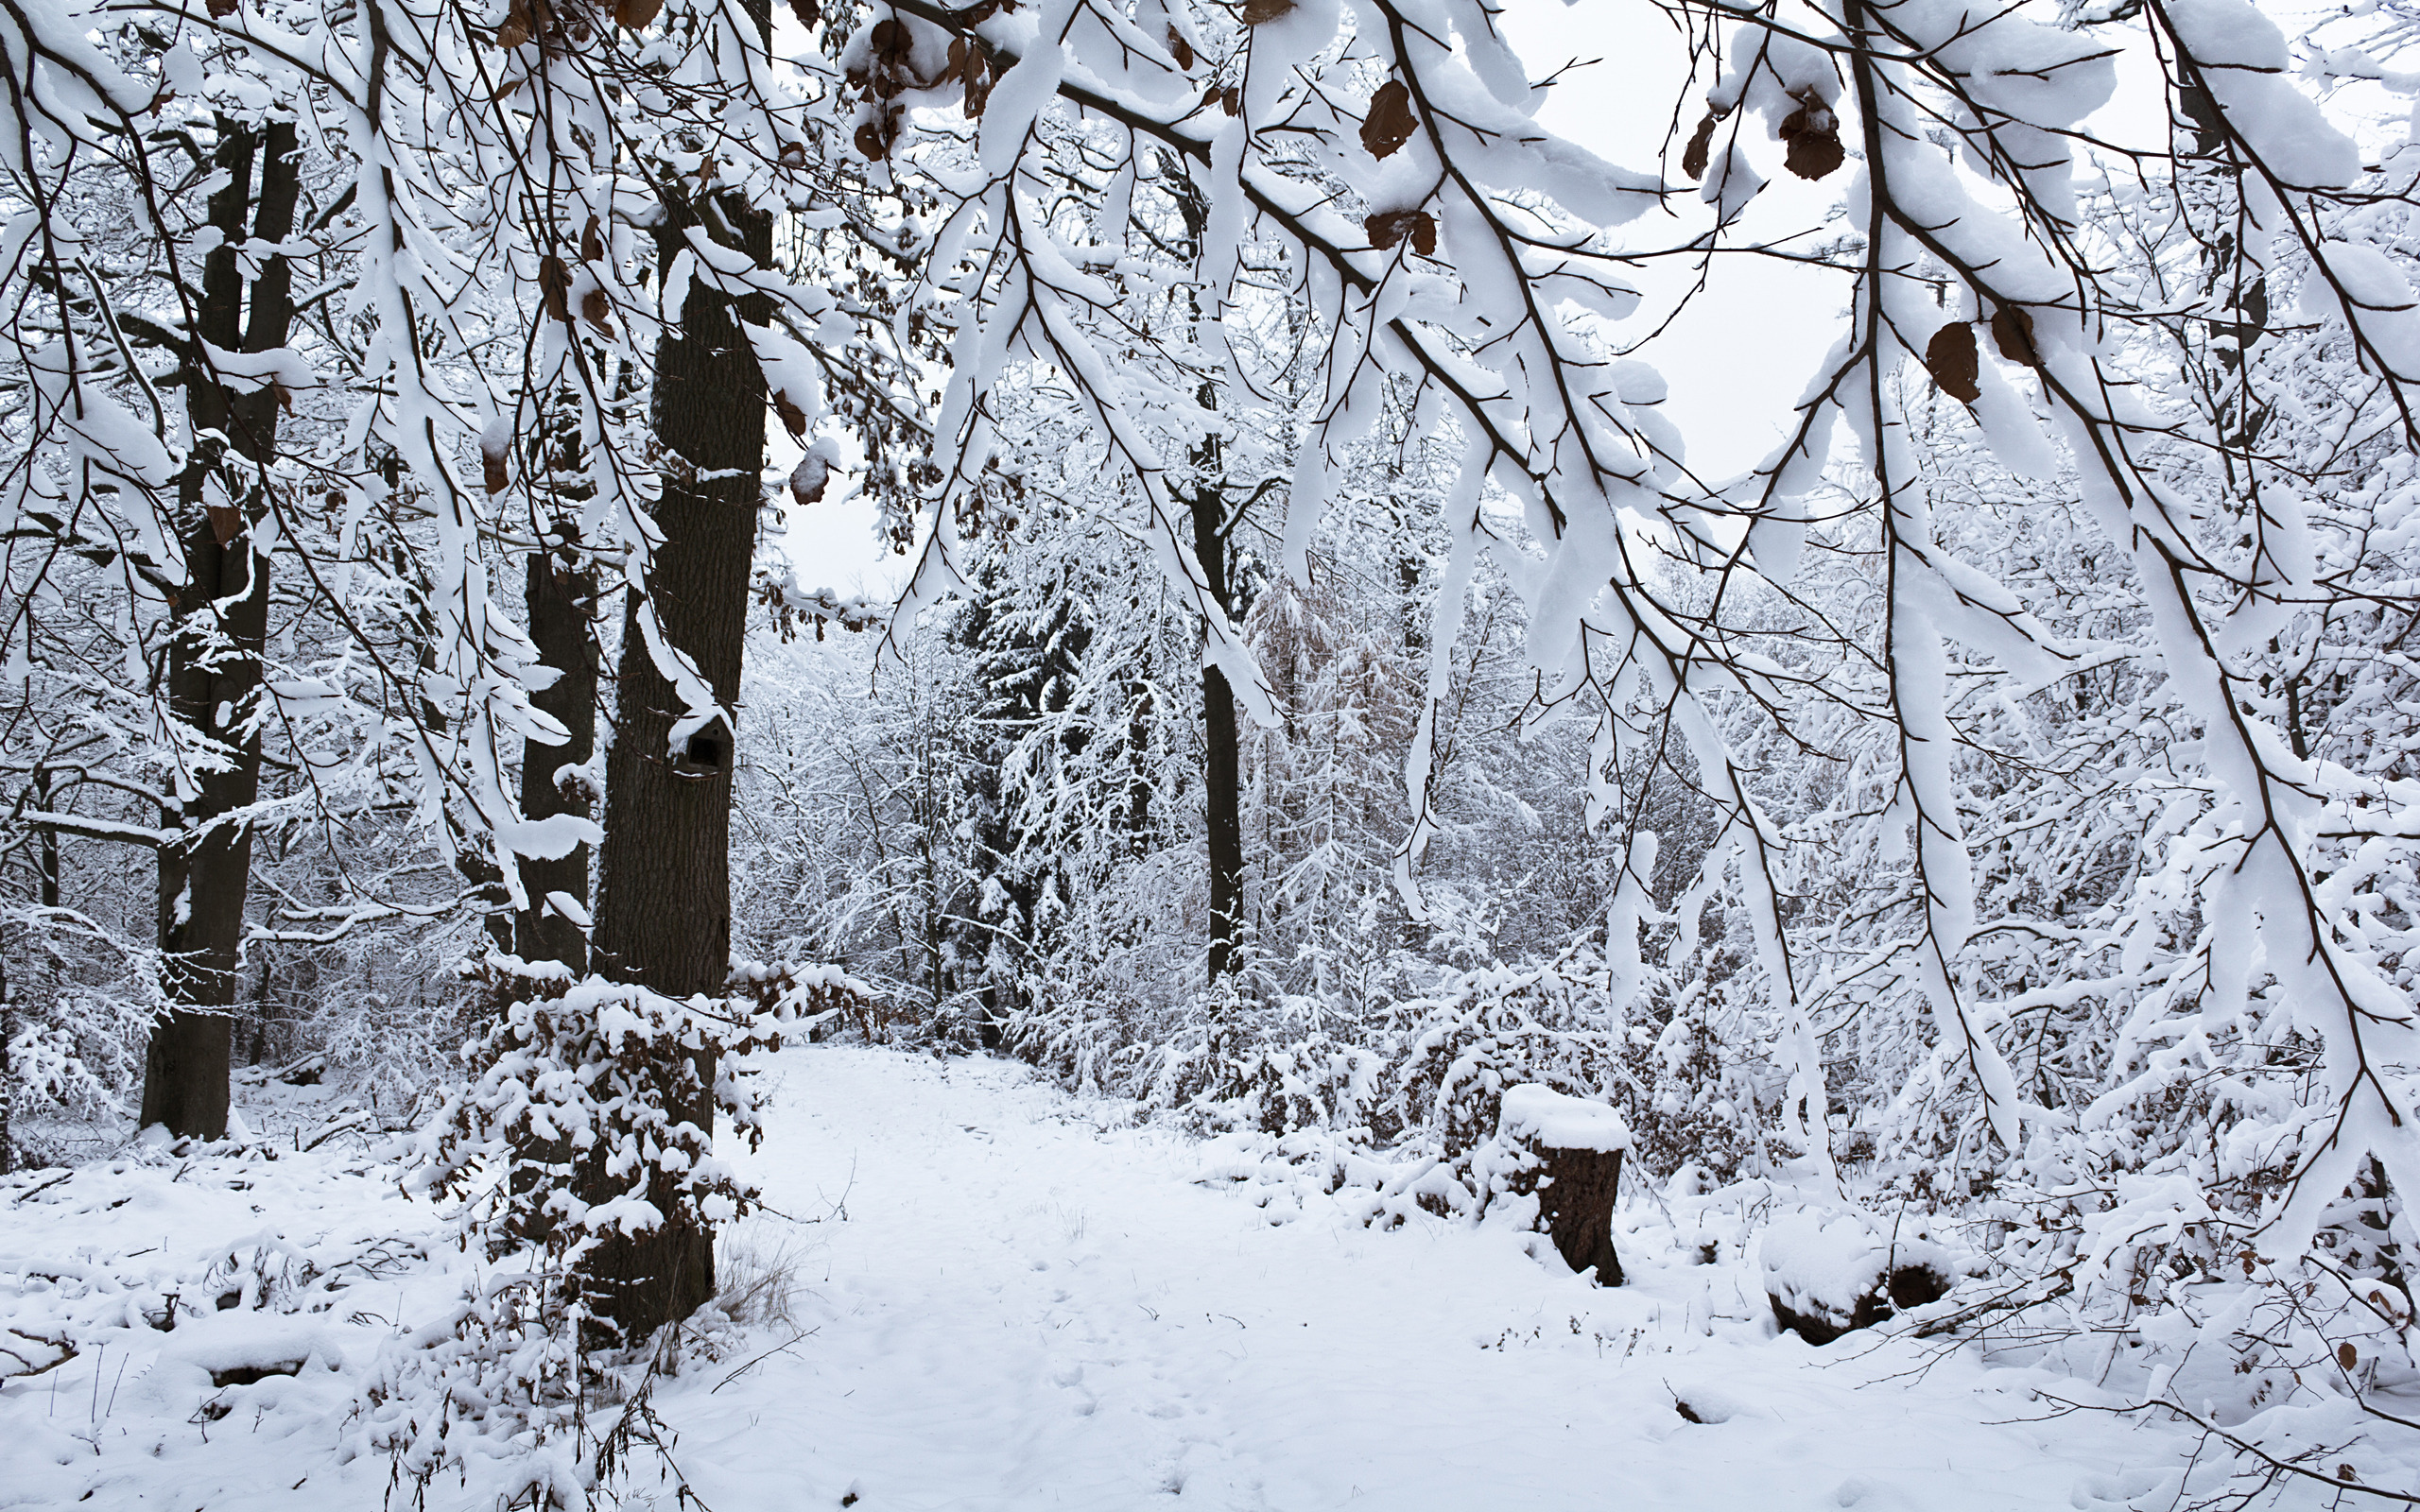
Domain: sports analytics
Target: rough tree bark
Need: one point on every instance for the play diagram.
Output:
(664, 868)
(1222, 748)
(220, 625)
(562, 592)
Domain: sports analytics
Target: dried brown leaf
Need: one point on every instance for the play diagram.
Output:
(1388, 227)
(598, 310)
(1693, 160)
(226, 522)
(553, 283)
(1813, 134)
(1231, 99)
(221, 9)
(793, 418)
(807, 12)
(1181, 50)
(497, 477)
(2348, 1356)
(1951, 358)
(592, 241)
(2012, 332)
(1390, 123)
(1257, 12)
(633, 14)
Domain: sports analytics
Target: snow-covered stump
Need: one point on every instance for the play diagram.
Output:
(1568, 1152)
(1826, 1276)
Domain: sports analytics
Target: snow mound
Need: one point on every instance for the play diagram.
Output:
(1557, 1121)
(1826, 1274)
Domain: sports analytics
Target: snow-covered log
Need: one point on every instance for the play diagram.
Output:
(1826, 1276)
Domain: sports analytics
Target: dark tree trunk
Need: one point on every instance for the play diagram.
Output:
(1222, 750)
(663, 871)
(1576, 1196)
(221, 624)
(562, 590)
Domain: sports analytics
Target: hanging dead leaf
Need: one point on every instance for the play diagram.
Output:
(285, 395)
(1813, 134)
(2346, 1474)
(221, 9)
(598, 310)
(1950, 358)
(2348, 1356)
(808, 478)
(1390, 123)
(493, 466)
(2012, 332)
(978, 88)
(1258, 12)
(1231, 99)
(874, 138)
(1388, 227)
(553, 283)
(519, 26)
(793, 418)
(634, 14)
(892, 43)
(1181, 50)
(956, 65)
(226, 522)
(1693, 158)
(807, 12)
(592, 241)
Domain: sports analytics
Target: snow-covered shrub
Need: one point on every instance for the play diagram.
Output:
(75, 1007)
(584, 1121)
(1278, 1069)
(1482, 1030)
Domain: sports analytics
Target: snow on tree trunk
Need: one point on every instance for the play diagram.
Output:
(222, 623)
(663, 874)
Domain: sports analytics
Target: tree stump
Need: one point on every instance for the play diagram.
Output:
(1568, 1151)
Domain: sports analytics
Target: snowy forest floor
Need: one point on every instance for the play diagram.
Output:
(1010, 1298)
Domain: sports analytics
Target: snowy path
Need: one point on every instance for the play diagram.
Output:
(1022, 1309)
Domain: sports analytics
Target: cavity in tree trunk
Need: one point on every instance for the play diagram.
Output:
(663, 870)
(221, 621)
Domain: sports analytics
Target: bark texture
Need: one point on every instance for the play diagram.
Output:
(1222, 751)
(663, 870)
(561, 592)
(1576, 1191)
(220, 625)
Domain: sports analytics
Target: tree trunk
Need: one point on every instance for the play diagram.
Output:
(220, 626)
(664, 872)
(561, 590)
(1222, 754)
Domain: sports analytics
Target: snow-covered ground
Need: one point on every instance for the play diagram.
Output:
(1007, 1298)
